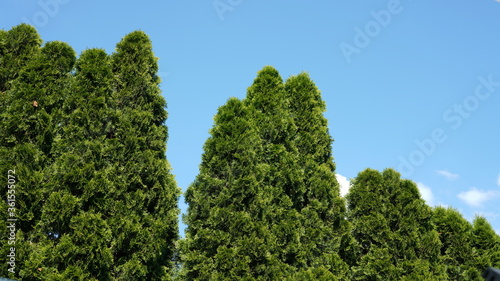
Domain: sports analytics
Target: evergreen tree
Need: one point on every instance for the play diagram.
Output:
(144, 222)
(73, 230)
(228, 236)
(486, 243)
(102, 203)
(393, 228)
(31, 119)
(316, 193)
(297, 148)
(289, 195)
(274, 124)
(457, 250)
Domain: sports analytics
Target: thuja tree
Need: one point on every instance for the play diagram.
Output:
(144, 222)
(457, 251)
(236, 206)
(30, 121)
(393, 229)
(297, 148)
(74, 238)
(228, 235)
(315, 193)
(253, 176)
(275, 126)
(486, 244)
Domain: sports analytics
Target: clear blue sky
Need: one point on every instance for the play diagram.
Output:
(413, 85)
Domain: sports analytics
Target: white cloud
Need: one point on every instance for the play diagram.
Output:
(426, 193)
(475, 197)
(498, 180)
(344, 184)
(448, 175)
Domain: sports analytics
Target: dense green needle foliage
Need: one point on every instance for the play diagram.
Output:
(30, 123)
(144, 223)
(467, 249)
(289, 194)
(487, 244)
(392, 225)
(95, 199)
(457, 252)
(17, 47)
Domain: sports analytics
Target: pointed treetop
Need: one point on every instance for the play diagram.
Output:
(133, 39)
(135, 48)
(266, 88)
(303, 94)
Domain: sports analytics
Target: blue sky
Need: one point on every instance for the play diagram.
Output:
(413, 85)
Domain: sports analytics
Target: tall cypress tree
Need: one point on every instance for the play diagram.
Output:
(393, 228)
(30, 122)
(144, 225)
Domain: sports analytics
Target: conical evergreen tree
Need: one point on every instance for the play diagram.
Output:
(274, 123)
(486, 243)
(30, 121)
(457, 251)
(297, 148)
(296, 211)
(144, 223)
(228, 236)
(393, 228)
(316, 193)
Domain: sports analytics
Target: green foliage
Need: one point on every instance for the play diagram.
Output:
(144, 208)
(96, 200)
(393, 229)
(266, 204)
(30, 121)
(315, 191)
(17, 47)
(487, 244)
(457, 250)
(90, 144)
(228, 234)
(467, 249)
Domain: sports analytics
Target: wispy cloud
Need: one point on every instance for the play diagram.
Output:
(498, 180)
(344, 184)
(475, 197)
(448, 175)
(426, 193)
